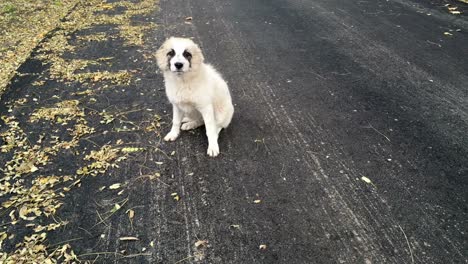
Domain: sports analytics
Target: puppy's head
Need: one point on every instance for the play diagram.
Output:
(179, 55)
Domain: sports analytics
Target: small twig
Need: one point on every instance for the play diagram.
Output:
(94, 143)
(100, 253)
(102, 220)
(150, 176)
(184, 259)
(407, 242)
(110, 215)
(281, 172)
(129, 111)
(66, 241)
(136, 255)
(433, 43)
(370, 126)
(89, 233)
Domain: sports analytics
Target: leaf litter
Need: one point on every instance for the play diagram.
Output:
(31, 198)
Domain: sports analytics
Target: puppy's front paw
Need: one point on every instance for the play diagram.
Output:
(171, 136)
(213, 150)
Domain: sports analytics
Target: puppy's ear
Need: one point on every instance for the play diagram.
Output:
(197, 56)
(161, 55)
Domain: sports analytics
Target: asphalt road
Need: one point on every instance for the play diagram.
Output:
(348, 145)
(334, 90)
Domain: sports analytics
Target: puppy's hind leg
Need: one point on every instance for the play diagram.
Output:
(192, 121)
(191, 124)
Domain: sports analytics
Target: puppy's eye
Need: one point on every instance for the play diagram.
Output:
(187, 54)
(171, 53)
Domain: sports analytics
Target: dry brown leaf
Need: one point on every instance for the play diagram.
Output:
(201, 243)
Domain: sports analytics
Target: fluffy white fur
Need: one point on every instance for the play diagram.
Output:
(198, 93)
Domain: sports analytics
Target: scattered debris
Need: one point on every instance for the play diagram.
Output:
(365, 179)
(114, 186)
(201, 243)
(132, 149)
(175, 196)
(128, 239)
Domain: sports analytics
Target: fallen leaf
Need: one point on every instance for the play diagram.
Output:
(262, 247)
(131, 149)
(23, 214)
(257, 201)
(448, 34)
(114, 186)
(188, 18)
(201, 243)
(131, 214)
(33, 168)
(365, 179)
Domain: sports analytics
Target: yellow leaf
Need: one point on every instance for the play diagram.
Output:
(131, 214)
(114, 186)
(365, 179)
(257, 201)
(33, 168)
(23, 214)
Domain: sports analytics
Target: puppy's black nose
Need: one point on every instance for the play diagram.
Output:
(178, 65)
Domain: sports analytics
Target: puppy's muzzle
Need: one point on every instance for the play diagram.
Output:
(178, 65)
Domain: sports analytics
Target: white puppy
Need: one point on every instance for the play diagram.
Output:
(198, 93)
